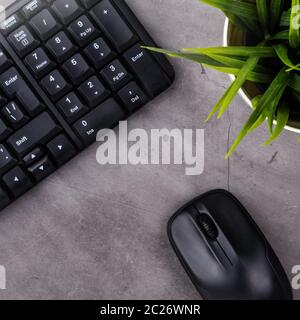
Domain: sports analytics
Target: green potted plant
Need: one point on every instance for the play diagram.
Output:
(261, 52)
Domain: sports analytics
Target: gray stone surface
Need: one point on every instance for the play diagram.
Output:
(95, 232)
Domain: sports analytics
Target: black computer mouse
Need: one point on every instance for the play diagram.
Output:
(224, 252)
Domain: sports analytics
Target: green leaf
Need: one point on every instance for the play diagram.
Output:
(282, 118)
(278, 83)
(285, 18)
(221, 63)
(230, 93)
(271, 110)
(281, 35)
(251, 76)
(294, 35)
(236, 62)
(264, 52)
(275, 12)
(294, 82)
(262, 117)
(282, 52)
(236, 7)
(199, 58)
(263, 14)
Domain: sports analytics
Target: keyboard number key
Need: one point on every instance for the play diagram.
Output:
(93, 91)
(83, 31)
(39, 62)
(61, 47)
(71, 107)
(55, 85)
(115, 75)
(77, 69)
(99, 53)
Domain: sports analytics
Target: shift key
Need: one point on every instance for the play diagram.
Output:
(39, 131)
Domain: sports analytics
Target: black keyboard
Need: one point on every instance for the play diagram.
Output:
(68, 68)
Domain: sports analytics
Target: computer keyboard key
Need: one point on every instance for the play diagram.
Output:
(147, 70)
(77, 69)
(115, 75)
(66, 10)
(23, 41)
(17, 181)
(71, 107)
(29, 100)
(3, 100)
(39, 62)
(61, 149)
(61, 47)
(13, 115)
(6, 160)
(41, 169)
(44, 24)
(83, 30)
(93, 91)
(38, 131)
(13, 85)
(99, 53)
(32, 8)
(4, 61)
(11, 82)
(132, 97)
(106, 115)
(4, 199)
(55, 85)
(113, 25)
(89, 3)
(4, 130)
(33, 156)
(10, 24)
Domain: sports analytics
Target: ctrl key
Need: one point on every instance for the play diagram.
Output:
(17, 181)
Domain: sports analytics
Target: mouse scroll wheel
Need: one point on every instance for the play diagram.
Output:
(208, 226)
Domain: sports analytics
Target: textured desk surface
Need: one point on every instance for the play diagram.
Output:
(95, 232)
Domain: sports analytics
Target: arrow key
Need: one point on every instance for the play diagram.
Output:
(61, 149)
(6, 160)
(55, 85)
(41, 169)
(34, 155)
(17, 181)
(93, 91)
(61, 47)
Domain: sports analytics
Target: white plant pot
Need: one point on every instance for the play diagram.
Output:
(242, 92)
